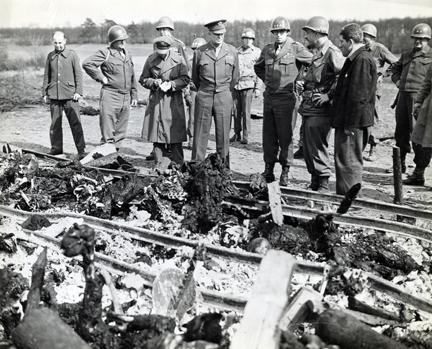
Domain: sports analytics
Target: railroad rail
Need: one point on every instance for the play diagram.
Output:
(213, 298)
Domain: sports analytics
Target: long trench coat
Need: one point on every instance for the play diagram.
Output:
(422, 132)
(165, 120)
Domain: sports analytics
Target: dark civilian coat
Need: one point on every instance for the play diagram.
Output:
(354, 98)
(63, 75)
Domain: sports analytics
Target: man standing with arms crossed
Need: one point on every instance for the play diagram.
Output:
(215, 72)
(408, 75)
(114, 69)
(319, 84)
(381, 55)
(63, 87)
(278, 68)
(246, 87)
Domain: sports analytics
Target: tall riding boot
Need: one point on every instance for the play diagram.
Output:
(417, 177)
(283, 181)
(323, 184)
(314, 183)
(403, 166)
(268, 172)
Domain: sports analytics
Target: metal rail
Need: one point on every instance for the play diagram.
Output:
(219, 299)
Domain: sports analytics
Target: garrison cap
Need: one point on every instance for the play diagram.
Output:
(217, 27)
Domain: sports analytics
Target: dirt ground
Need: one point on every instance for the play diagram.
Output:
(28, 127)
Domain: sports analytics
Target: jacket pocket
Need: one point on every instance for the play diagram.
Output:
(229, 64)
(71, 84)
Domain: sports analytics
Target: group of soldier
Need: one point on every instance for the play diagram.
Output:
(330, 86)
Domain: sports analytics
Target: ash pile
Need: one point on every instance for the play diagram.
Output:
(69, 292)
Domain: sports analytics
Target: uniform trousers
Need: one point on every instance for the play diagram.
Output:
(114, 116)
(242, 114)
(404, 121)
(317, 131)
(210, 105)
(278, 125)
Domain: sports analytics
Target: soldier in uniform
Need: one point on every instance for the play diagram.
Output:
(63, 86)
(114, 69)
(215, 72)
(190, 94)
(408, 74)
(165, 74)
(278, 66)
(246, 87)
(382, 56)
(353, 108)
(318, 88)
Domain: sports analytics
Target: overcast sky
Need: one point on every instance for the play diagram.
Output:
(51, 13)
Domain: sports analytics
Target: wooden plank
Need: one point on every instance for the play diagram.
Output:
(269, 297)
(274, 194)
(104, 149)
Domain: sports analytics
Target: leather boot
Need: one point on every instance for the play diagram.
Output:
(268, 172)
(323, 184)
(314, 183)
(235, 138)
(283, 180)
(417, 178)
(299, 153)
(403, 166)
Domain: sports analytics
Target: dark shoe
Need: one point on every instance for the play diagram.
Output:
(283, 180)
(323, 184)
(314, 184)
(299, 153)
(150, 157)
(235, 138)
(55, 152)
(81, 155)
(403, 168)
(244, 141)
(268, 173)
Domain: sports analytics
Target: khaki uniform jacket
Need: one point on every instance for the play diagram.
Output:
(354, 97)
(321, 77)
(411, 69)
(279, 71)
(63, 75)
(164, 120)
(215, 74)
(119, 71)
(247, 59)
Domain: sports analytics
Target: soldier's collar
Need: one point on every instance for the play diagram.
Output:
(64, 53)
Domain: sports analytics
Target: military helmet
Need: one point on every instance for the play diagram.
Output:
(369, 29)
(318, 24)
(421, 31)
(116, 33)
(280, 23)
(198, 42)
(165, 22)
(248, 33)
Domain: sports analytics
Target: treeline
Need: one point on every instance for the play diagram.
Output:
(394, 33)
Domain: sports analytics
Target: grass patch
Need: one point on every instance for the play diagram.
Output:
(32, 59)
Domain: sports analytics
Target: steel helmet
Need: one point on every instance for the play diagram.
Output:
(369, 29)
(421, 31)
(165, 22)
(318, 24)
(198, 42)
(248, 33)
(116, 33)
(280, 23)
